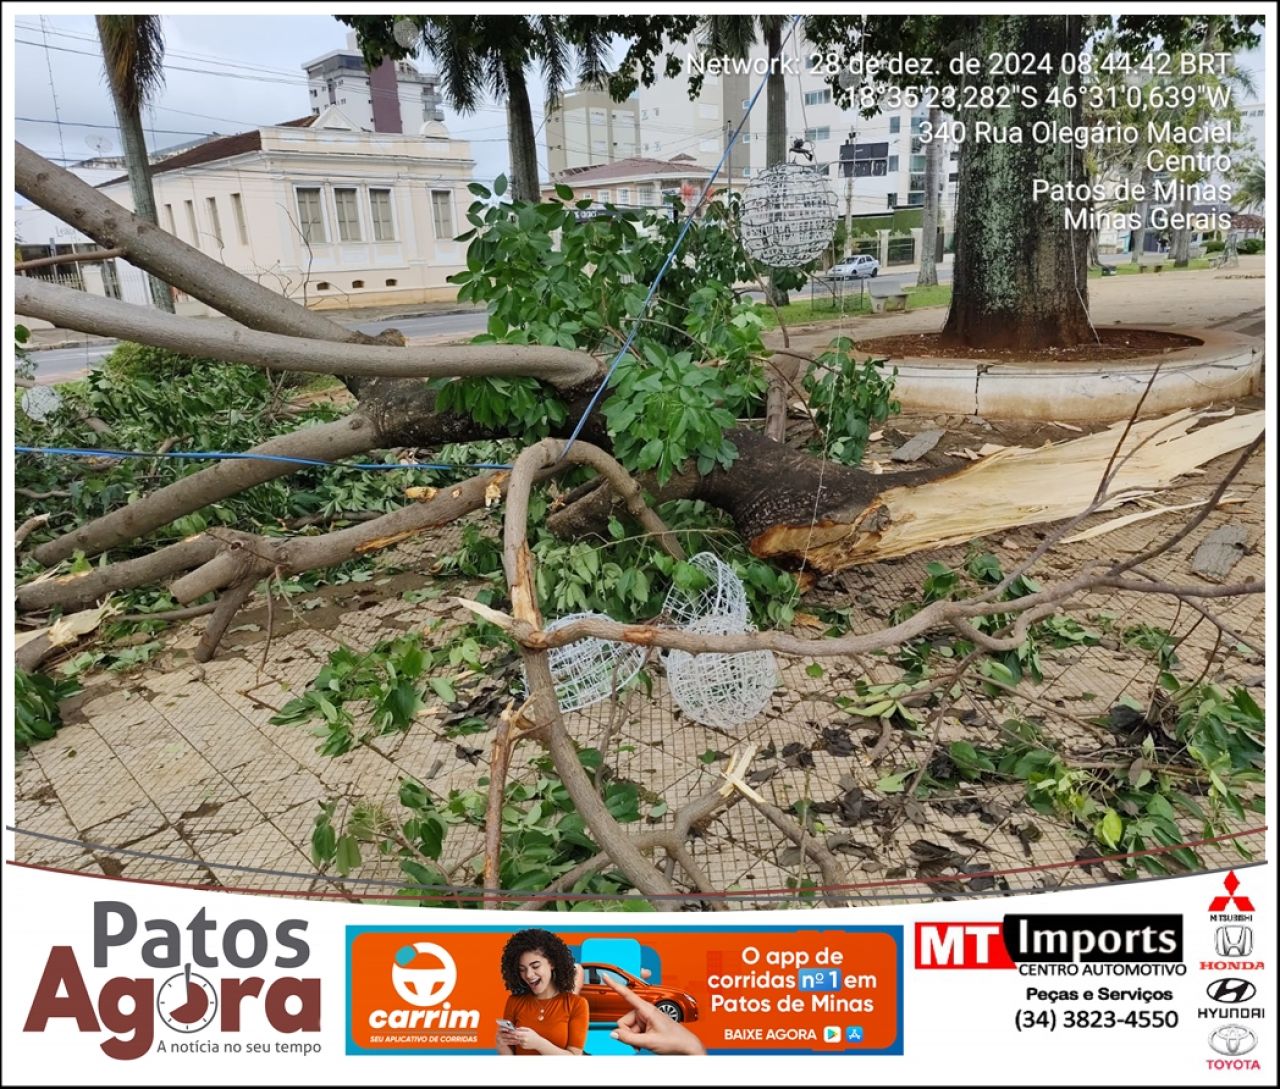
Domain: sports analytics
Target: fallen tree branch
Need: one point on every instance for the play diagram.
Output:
(67, 259)
(231, 343)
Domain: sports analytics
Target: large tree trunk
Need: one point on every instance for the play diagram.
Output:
(1020, 271)
(928, 276)
(1144, 206)
(138, 165)
(521, 140)
(1182, 236)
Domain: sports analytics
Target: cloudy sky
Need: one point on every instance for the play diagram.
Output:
(223, 74)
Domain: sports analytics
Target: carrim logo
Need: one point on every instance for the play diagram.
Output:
(424, 974)
(1231, 990)
(1233, 941)
(424, 986)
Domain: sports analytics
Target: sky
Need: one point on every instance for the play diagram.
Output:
(203, 92)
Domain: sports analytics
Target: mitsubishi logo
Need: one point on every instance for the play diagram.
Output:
(1221, 903)
(1233, 941)
(1231, 990)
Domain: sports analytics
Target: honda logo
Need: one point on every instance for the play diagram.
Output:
(1233, 941)
(1231, 990)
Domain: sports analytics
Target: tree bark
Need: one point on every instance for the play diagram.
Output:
(521, 140)
(1182, 236)
(928, 276)
(138, 165)
(1020, 271)
(1140, 235)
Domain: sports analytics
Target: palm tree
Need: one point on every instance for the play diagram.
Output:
(133, 54)
(487, 55)
(1252, 194)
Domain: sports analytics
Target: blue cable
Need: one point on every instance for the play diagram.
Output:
(220, 455)
(675, 247)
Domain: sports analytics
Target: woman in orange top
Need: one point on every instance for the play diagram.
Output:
(547, 1018)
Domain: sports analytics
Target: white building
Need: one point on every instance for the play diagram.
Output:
(590, 129)
(394, 97)
(316, 209)
(635, 183)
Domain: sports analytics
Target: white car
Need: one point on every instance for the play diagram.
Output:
(855, 268)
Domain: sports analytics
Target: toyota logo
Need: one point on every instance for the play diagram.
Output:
(1231, 990)
(1232, 1040)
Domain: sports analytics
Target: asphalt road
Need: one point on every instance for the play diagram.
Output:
(55, 365)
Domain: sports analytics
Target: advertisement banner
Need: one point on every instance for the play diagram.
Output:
(732, 989)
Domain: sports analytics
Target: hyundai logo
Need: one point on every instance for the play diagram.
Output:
(1232, 1040)
(1231, 990)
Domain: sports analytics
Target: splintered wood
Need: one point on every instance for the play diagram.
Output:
(1018, 487)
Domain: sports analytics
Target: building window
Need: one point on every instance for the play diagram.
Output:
(442, 213)
(745, 138)
(323, 285)
(746, 103)
(895, 124)
(916, 124)
(168, 217)
(380, 214)
(237, 209)
(348, 210)
(893, 164)
(191, 222)
(356, 284)
(746, 171)
(893, 200)
(391, 283)
(310, 215)
(817, 98)
(814, 135)
(624, 197)
(215, 224)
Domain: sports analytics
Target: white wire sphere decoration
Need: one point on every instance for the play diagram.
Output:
(590, 670)
(723, 596)
(723, 690)
(788, 216)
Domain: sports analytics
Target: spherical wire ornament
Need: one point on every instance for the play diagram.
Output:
(590, 670)
(723, 690)
(788, 216)
(723, 595)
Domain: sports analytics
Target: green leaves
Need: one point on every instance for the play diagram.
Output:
(384, 680)
(36, 712)
(664, 411)
(847, 400)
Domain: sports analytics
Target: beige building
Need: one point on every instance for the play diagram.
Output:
(316, 209)
(590, 129)
(635, 183)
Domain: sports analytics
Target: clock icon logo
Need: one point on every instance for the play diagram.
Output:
(186, 1002)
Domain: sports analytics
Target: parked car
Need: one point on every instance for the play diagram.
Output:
(606, 1005)
(855, 268)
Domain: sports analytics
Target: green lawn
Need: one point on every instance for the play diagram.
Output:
(802, 312)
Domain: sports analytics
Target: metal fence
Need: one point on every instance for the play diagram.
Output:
(902, 251)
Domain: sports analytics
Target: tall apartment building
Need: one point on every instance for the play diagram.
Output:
(590, 129)
(658, 122)
(394, 97)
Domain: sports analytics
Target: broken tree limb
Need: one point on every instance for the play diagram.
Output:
(73, 591)
(1141, 516)
(113, 226)
(67, 259)
(228, 605)
(70, 309)
(1008, 489)
(327, 442)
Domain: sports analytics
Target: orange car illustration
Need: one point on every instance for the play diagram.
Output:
(605, 1005)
